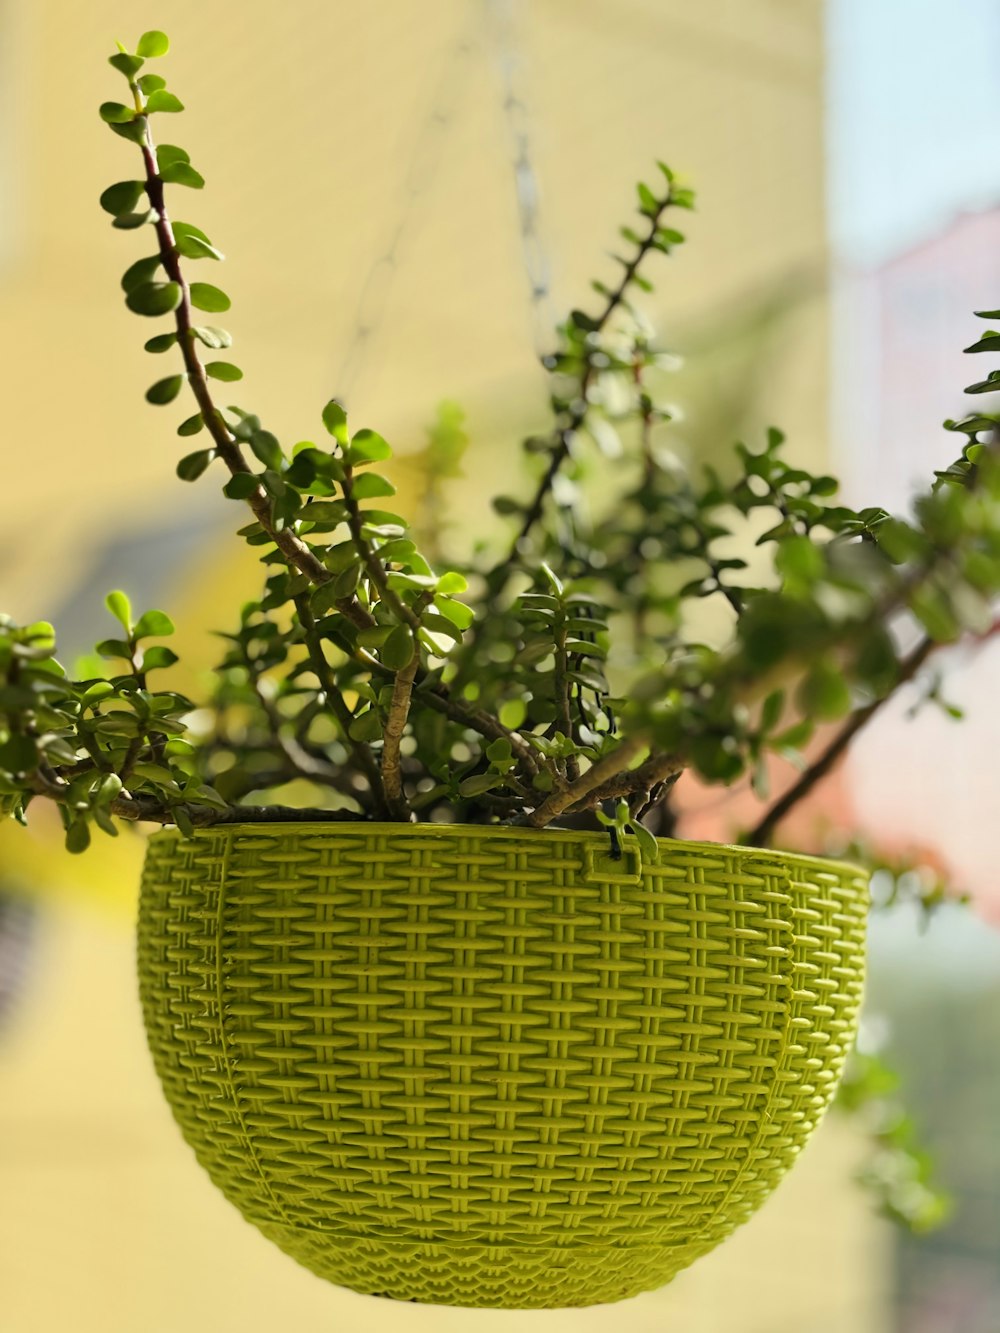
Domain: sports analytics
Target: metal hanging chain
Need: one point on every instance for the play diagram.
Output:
(503, 39)
(424, 162)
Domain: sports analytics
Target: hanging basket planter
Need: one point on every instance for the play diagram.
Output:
(494, 1067)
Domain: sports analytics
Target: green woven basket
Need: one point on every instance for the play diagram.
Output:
(494, 1067)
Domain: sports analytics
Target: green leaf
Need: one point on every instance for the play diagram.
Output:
(824, 695)
(715, 760)
(154, 298)
(500, 753)
(181, 173)
(770, 713)
(481, 782)
(325, 511)
(242, 485)
(335, 420)
(118, 604)
(212, 337)
(161, 100)
(345, 583)
(123, 197)
(153, 624)
(367, 446)
(193, 247)
(373, 636)
(367, 727)
(647, 843)
(162, 342)
(18, 754)
(158, 658)
(114, 648)
(397, 651)
(370, 486)
(648, 202)
(78, 836)
(126, 64)
(150, 82)
(183, 821)
(438, 624)
(153, 43)
(451, 582)
(130, 221)
(206, 297)
(116, 113)
(165, 390)
(133, 130)
(193, 465)
(989, 342)
(458, 613)
(167, 155)
(799, 560)
(267, 449)
(223, 370)
(186, 228)
(140, 273)
(192, 425)
(100, 689)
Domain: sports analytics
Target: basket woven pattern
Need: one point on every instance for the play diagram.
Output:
(494, 1067)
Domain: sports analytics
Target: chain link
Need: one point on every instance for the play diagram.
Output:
(420, 173)
(503, 45)
(503, 37)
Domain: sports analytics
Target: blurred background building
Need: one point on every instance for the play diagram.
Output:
(362, 177)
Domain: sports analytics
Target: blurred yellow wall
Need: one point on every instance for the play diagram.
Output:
(305, 119)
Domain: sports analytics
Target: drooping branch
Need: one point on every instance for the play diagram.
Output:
(297, 552)
(564, 435)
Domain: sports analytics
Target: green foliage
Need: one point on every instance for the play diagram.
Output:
(899, 1173)
(563, 677)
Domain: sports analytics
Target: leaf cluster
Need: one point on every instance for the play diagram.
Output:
(642, 618)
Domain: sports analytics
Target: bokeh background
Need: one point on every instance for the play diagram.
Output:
(389, 180)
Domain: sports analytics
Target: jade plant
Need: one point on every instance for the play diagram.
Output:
(645, 619)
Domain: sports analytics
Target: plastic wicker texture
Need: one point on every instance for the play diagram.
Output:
(493, 1067)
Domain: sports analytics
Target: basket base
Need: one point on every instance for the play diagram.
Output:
(498, 1277)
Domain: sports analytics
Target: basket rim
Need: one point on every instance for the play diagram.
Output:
(338, 827)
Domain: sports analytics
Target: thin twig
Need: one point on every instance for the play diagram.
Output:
(564, 435)
(763, 830)
(376, 570)
(573, 793)
(362, 754)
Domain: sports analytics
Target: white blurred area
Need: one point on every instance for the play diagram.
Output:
(915, 232)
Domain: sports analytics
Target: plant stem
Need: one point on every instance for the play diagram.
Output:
(564, 435)
(362, 754)
(298, 554)
(376, 570)
(573, 793)
(154, 812)
(762, 832)
(656, 769)
(399, 708)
